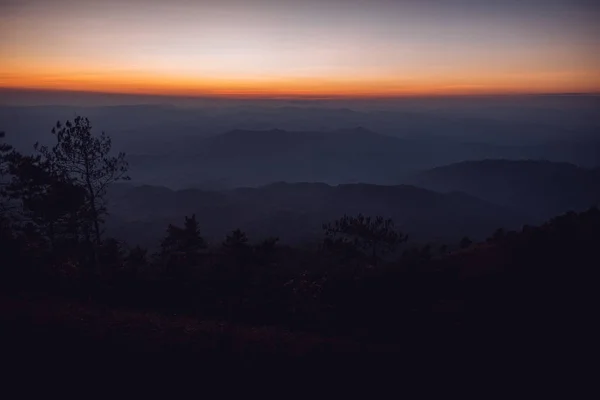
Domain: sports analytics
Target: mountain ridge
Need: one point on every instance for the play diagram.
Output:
(539, 187)
(296, 211)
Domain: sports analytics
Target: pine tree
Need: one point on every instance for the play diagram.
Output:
(5, 152)
(85, 161)
(236, 242)
(182, 246)
(373, 236)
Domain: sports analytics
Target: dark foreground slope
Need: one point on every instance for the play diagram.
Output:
(43, 324)
(519, 297)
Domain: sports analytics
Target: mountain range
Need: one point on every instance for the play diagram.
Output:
(540, 189)
(295, 212)
(442, 204)
(212, 146)
(254, 158)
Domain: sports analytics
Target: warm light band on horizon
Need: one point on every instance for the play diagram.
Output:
(330, 48)
(307, 87)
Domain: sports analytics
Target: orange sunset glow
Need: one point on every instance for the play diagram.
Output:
(231, 48)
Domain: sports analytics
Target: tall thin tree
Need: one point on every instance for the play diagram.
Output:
(87, 162)
(5, 150)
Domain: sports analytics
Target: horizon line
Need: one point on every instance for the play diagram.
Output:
(308, 97)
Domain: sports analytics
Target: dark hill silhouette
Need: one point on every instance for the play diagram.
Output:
(258, 157)
(295, 212)
(521, 292)
(538, 188)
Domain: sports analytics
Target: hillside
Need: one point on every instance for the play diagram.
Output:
(295, 212)
(538, 188)
(511, 294)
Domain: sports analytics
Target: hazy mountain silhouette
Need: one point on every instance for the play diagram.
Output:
(253, 158)
(539, 188)
(258, 157)
(295, 212)
(179, 146)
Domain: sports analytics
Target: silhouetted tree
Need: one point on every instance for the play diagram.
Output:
(6, 234)
(186, 239)
(415, 256)
(47, 198)
(134, 262)
(86, 161)
(499, 234)
(182, 246)
(465, 242)
(374, 236)
(5, 151)
(264, 250)
(238, 267)
(136, 258)
(236, 242)
(111, 253)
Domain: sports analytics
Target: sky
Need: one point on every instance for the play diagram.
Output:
(308, 48)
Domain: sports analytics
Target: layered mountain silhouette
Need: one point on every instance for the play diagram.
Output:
(259, 157)
(218, 145)
(538, 188)
(295, 212)
(254, 158)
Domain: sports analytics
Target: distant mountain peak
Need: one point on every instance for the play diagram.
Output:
(361, 130)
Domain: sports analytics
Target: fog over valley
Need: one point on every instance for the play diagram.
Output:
(482, 162)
